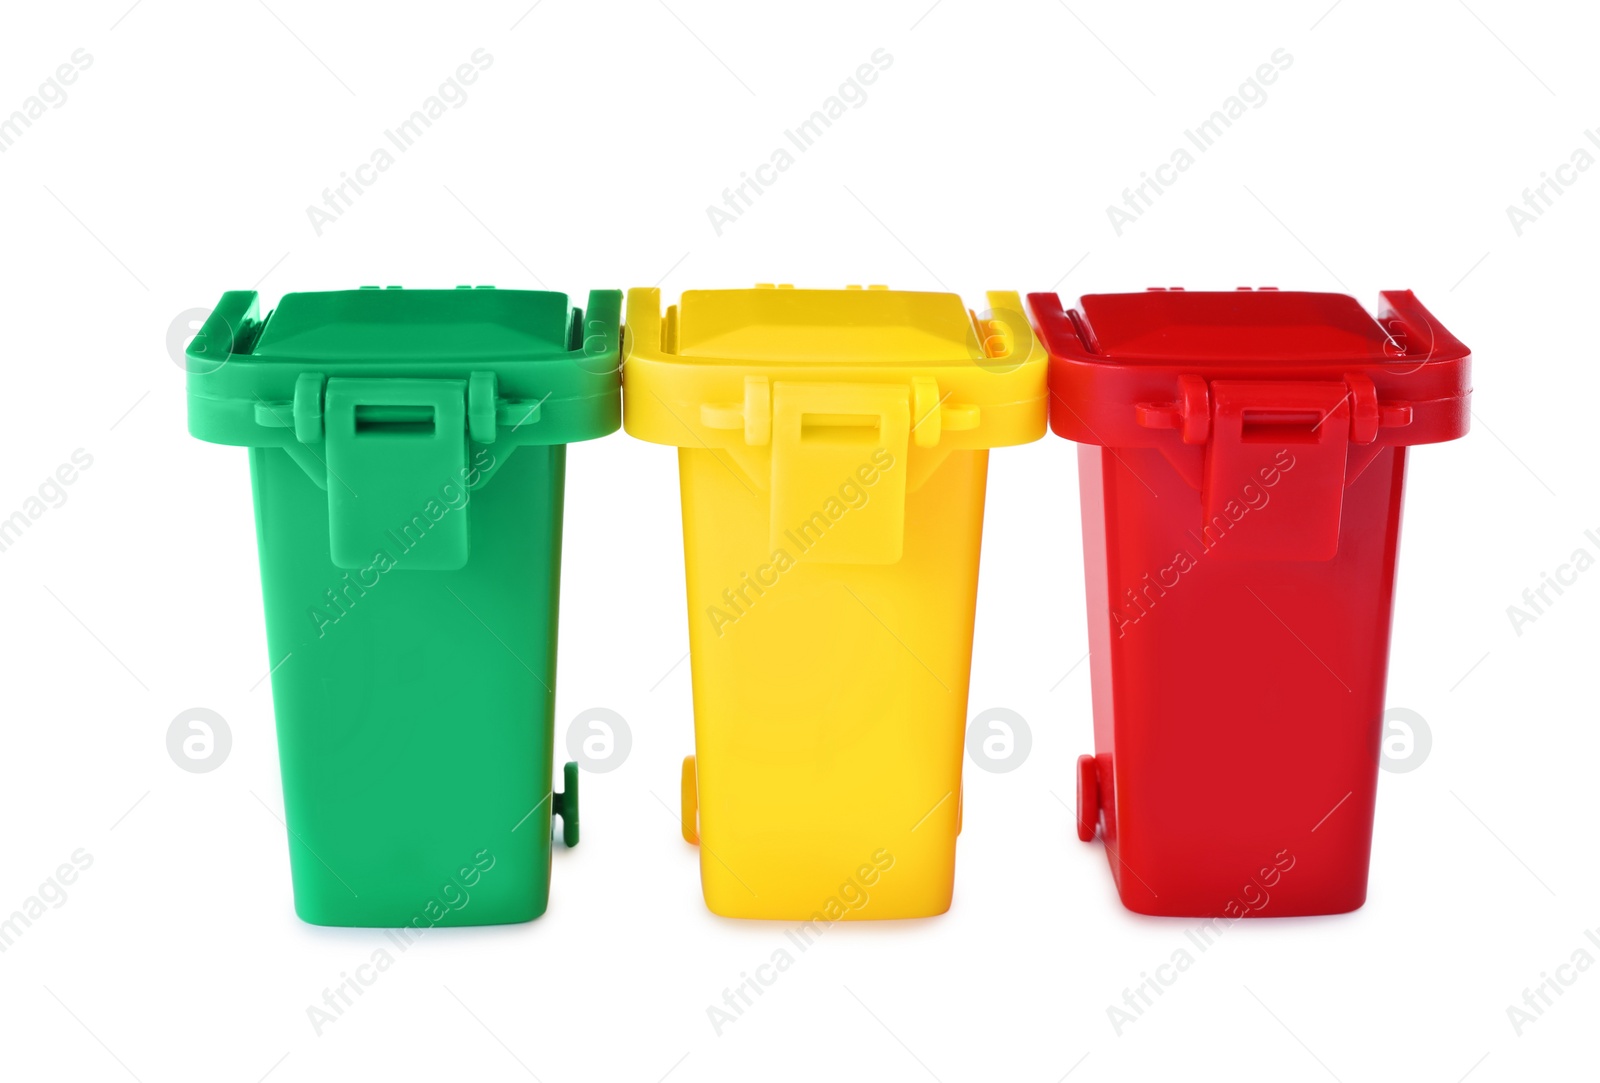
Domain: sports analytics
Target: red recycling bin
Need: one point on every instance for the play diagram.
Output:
(1241, 464)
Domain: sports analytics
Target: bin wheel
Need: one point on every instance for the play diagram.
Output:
(1088, 799)
(690, 803)
(565, 804)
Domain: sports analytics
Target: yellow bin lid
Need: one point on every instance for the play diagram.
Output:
(703, 375)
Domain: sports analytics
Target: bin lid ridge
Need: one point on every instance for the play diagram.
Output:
(818, 325)
(1241, 326)
(407, 325)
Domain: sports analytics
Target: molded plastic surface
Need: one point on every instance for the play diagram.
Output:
(408, 454)
(1241, 473)
(832, 464)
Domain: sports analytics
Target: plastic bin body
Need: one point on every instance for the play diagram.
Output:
(833, 456)
(1241, 469)
(407, 452)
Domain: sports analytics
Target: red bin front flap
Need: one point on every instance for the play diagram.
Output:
(1226, 385)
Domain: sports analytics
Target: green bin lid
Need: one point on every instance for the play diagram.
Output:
(535, 369)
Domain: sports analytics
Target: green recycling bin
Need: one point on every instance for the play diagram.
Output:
(408, 454)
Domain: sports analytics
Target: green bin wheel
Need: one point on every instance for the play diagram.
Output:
(567, 805)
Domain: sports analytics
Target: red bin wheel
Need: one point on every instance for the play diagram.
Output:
(1088, 799)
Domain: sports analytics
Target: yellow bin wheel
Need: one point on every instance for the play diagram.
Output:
(690, 803)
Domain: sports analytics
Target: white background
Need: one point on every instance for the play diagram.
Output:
(181, 164)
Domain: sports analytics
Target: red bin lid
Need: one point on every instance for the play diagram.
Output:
(1126, 366)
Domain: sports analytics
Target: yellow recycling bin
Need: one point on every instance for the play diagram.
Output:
(833, 455)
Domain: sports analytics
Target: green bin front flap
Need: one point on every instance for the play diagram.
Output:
(386, 396)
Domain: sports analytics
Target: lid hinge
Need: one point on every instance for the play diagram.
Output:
(932, 413)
